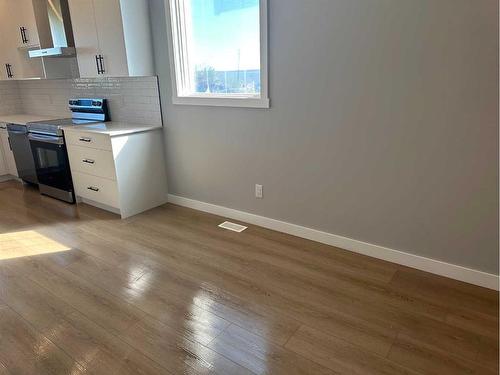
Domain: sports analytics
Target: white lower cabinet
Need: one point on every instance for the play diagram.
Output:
(98, 189)
(94, 162)
(9, 163)
(88, 140)
(124, 174)
(3, 168)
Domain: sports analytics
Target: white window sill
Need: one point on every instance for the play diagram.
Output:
(222, 102)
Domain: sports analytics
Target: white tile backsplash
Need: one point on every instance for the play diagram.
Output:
(131, 99)
(10, 100)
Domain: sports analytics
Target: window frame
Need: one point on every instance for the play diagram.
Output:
(178, 69)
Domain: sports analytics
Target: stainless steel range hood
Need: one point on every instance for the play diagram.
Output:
(53, 52)
(53, 22)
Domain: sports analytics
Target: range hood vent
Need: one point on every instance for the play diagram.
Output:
(56, 51)
(53, 22)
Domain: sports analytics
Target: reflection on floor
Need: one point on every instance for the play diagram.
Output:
(168, 292)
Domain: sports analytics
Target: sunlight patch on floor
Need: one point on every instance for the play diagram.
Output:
(27, 243)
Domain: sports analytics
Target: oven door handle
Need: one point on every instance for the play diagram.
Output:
(22, 132)
(46, 138)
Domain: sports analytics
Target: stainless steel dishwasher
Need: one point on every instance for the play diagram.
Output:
(20, 145)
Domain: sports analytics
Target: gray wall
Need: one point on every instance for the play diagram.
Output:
(383, 126)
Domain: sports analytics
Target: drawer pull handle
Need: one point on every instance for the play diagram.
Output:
(88, 161)
(85, 140)
(93, 188)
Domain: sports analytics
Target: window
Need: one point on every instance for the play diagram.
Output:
(218, 52)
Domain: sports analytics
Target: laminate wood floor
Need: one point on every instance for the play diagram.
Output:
(168, 292)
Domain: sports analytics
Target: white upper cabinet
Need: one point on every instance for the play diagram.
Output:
(26, 24)
(104, 41)
(19, 34)
(111, 37)
(85, 35)
(9, 57)
(110, 34)
(5, 56)
(27, 38)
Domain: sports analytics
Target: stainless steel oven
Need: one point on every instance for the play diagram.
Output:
(48, 147)
(52, 166)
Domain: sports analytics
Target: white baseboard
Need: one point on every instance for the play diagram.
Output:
(437, 267)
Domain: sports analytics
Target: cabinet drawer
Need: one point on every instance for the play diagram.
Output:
(97, 189)
(91, 140)
(92, 161)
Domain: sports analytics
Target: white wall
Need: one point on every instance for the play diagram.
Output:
(383, 126)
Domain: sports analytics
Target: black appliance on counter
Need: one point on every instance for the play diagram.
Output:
(49, 151)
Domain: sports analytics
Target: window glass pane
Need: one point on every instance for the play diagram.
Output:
(224, 46)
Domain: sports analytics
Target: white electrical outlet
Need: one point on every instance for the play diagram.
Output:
(258, 191)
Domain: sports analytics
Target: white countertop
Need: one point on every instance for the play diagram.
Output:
(113, 128)
(22, 119)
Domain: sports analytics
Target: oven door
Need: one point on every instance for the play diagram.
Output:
(52, 166)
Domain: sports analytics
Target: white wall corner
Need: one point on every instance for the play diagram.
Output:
(437, 267)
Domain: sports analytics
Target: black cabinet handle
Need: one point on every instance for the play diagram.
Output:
(101, 67)
(93, 188)
(88, 161)
(9, 70)
(10, 146)
(85, 139)
(24, 38)
(99, 61)
(97, 64)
